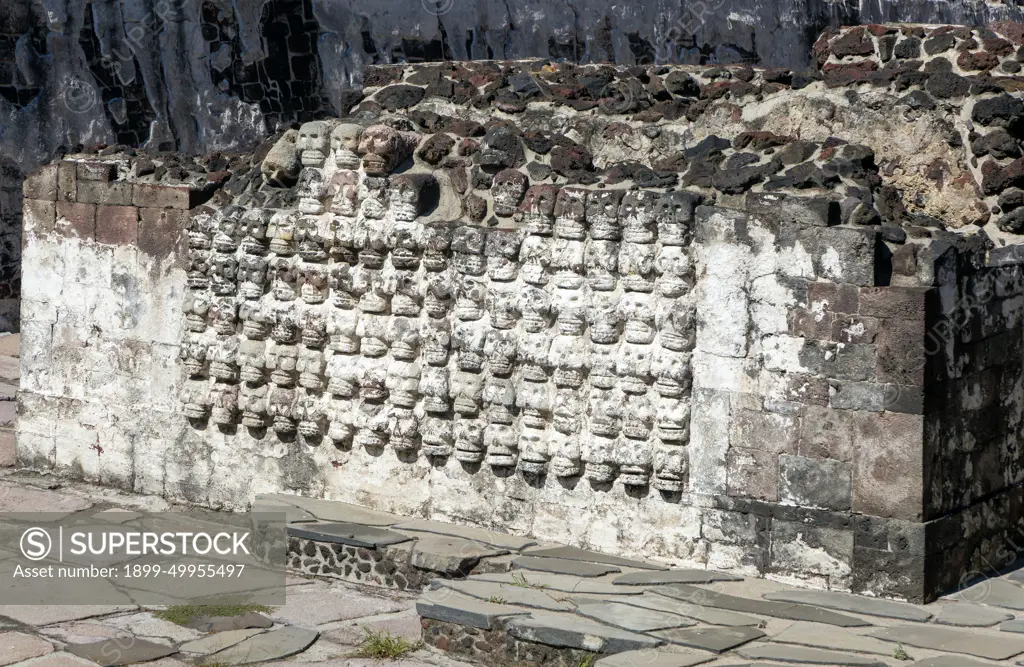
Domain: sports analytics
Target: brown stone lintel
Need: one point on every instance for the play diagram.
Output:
(117, 225)
(117, 193)
(171, 196)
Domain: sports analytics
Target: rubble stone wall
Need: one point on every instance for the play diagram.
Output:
(680, 313)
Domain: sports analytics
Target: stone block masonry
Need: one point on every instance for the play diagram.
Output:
(653, 321)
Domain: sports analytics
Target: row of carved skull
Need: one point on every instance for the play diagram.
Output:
(378, 148)
(637, 318)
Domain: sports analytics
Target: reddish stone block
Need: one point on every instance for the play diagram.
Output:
(160, 230)
(907, 303)
(41, 183)
(161, 196)
(38, 216)
(75, 219)
(67, 181)
(118, 193)
(96, 171)
(117, 225)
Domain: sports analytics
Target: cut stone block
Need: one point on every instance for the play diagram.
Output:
(61, 659)
(352, 534)
(121, 651)
(450, 555)
(696, 612)
(836, 639)
(40, 615)
(562, 566)
(673, 577)
(795, 612)
(950, 661)
(993, 647)
(801, 654)
(273, 645)
(312, 607)
(218, 641)
(572, 632)
(560, 582)
(655, 658)
(489, 537)
(574, 553)
(292, 513)
(330, 510)
(970, 615)
(634, 619)
(464, 610)
(17, 646)
(537, 598)
(1013, 626)
(716, 640)
(853, 603)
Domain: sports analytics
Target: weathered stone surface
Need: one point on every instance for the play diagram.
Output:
(816, 636)
(314, 606)
(708, 615)
(217, 641)
(970, 615)
(330, 510)
(716, 640)
(853, 603)
(272, 645)
(353, 534)
(440, 553)
(673, 577)
(995, 592)
(537, 598)
(114, 652)
(18, 646)
(574, 632)
(40, 615)
(993, 647)
(796, 612)
(563, 566)
(800, 654)
(228, 623)
(473, 534)
(574, 553)
(656, 658)
(59, 659)
(560, 582)
(56, 505)
(464, 610)
(950, 661)
(635, 619)
(1013, 626)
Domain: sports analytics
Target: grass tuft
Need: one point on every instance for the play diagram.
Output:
(587, 660)
(182, 614)
(383, 645)
(901, 653)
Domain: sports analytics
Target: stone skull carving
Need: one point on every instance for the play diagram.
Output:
(344, 190)
(537, 211)
(566, 458)
(281, 232)
(675, 272)
(678, 326)
(672, 372)
(252, 360)
(502, 252)
(281, 404)
(571, 214)
(285, 279)
(469, 440)
(503, 307)
(636, 266)
(535, 305)
(282, 362)
(435, 241)
(570, 356)
(434, 389)
(533, 451)
(469, 339)
(535, 258)
(436, 339)
(196, 308)
(196, 400)
(602, 262)
(671, 465)
(534, 401)
(404, 338)
(604, 324)
(340, 283)
(436, 435)
(412, 194)
(312, 189)
(223, 274)
(254, 224)
(311, 366)
(313, 142)
(257, 321)
(252, 276)
(345, 145)
(403, 431)
(674, 214)
(402, 382)
(228, 227)
(201, 228)
(603, 214)
(569, 263)
(468, 248)
(384, 148)
(373, 197)
(438, 297)
(197, 275)
(507, 190)
(502, 444)
(466, 390)
(341, 330)
(500, 399)
(312, 418)
(344, 374)
(253, 403)
(372, 332)
(637, 214)
(407, 300)
(673, 420)
(224, 404)
(500, 351)
(313, 283)
(224, 316)
(193, 357)
(469, 300)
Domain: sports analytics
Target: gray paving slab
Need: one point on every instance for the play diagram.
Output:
(314, 606)
(634, 619)
(489, 537)
(716, 640)
(332, 510)
(855, 604)
(447, 554)
(708, 615)
(561, 582)
(226, 623)
(967, 615)
(352, 534)
(994, 592)
(465, 610)
(273, 645)
(828, 637)
(656, 577)
(292, 513)
(794, 612)
(536, 598)
(59, 659)
(218, 641)
(40, 615)
(951, 661)
(575, 553)
(655, 658)
(805, 655)
(978, 644)
(120, 651)
(18, 646)
(1016, 625)
(574, 632)
(15, 498)
(563, 566)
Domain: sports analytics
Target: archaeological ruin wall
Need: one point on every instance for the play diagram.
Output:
(761, 321)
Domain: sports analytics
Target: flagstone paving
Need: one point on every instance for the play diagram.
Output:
(623, 611)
